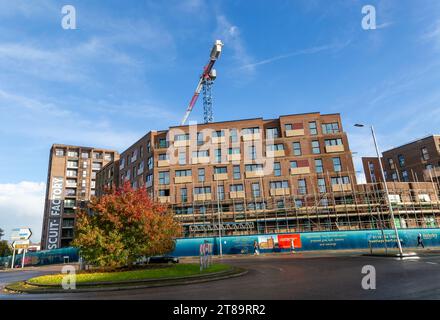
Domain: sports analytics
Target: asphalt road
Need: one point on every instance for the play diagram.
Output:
(295, 276)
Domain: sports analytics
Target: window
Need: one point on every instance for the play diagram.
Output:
(234, 151)
(302, 186)
(234, 135)
(272, 133)
(333, 142)
(70, 192)
(328, 128)
(184, 195)
(183, 173)
(163, 156)
(150, 163)
(236, 172)
(218, 134)
(96, 166)
(391, 163)
(321, 185)
(277, 169)
(401, 159)
(108, 157)
(251, 130)
(163, 143)
(279, 185)
(425, 153)
(256, 190)
(315, 147)
(275, 147)
(405, 176)
(288, 127)
(296, 148)
(148, 146)
(221, 192)
(200, 138)
(220, 170)
(149, 179)
(312, 128)
(164, 177)
(73, 154)
(201, 175)
(253, 167)
(73, 164)
(236, 187)
(72, 173)
(182, 157)
(181, 137)
(337, 167)
(252, 152)
(429, 167)
(294, 164)
(394, 176)
(340, 180)
(98, 155)
(164, 193)
(218, 155)
(202, 190)
(280, 204)
(59, 152)
(318, 166)
(200, 154)
(141, 151)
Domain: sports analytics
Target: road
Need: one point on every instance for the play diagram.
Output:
(296, 276)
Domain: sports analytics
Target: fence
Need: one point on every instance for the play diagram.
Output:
(41, 258)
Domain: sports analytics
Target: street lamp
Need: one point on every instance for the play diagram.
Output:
(399, 245)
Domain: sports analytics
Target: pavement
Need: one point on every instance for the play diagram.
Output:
(333, 275)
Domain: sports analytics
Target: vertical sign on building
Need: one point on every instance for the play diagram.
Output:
(55, 211)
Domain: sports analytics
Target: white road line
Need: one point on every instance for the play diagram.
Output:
(431, 262)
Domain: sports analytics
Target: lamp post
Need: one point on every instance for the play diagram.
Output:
(399, 245)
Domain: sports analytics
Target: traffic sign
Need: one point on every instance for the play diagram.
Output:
(21, 234)
(21, 244)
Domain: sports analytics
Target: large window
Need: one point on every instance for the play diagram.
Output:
(337, 167)
(302, 186)
(425, 153)
(182, 157)
(321, 185)
(272, 133)
(234, 135)
(201, 174)
(296, 148)
(333, 142)
(184, 194)
(221, 192)
(252, 152)
(277, 169)
(253, 167)
(251, 130)
(275, 147)
(202, 190)
(340, 180)
(256, 190)
(319, 168)
(181, 137)
(236, 173)
(236, 187)
(315, 147)
(218, 155)
(279, 185)
(220, 170)
(218, 134)
(183, 173)
(164, 177)
(401, 159)
(312, 128)
(328, 128)
(234, 151)
(405, 176)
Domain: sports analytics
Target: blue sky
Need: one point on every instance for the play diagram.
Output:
(131, 66)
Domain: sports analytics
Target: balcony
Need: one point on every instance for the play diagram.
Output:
(218, 140)
(237, 195)
(185, 179)
(275, 153)
(280, 192)
(220, 176)
(163, 199)
(341, 187)
(251, 136)
(234, 157)
(163, 163)
(200, 160)
(294, 133)
(203, 197)
(254, 174)
(299, 170)
(333, 149)
(181, 143)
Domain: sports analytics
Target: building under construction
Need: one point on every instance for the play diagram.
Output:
(290, 174)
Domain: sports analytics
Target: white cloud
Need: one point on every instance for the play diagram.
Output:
(22, 205)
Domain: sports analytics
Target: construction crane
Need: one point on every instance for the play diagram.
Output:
(205, 83)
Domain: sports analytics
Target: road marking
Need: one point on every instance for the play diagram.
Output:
(431, 262)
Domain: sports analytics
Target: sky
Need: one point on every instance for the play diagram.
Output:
(131, 66)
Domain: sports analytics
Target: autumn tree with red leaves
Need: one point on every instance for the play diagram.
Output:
(124, 225)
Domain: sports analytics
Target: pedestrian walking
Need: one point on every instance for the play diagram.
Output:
(292, 246)
(256, 249)
(420, 241)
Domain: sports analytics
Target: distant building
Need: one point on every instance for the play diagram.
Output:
(418, 160)
(71, 182)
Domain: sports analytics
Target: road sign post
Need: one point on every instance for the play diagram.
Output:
(20, 238)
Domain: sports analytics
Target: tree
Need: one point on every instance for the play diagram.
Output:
(5, 249)
(2, 233)
(124, 225)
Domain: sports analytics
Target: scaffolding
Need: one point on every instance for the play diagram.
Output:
(334, 207)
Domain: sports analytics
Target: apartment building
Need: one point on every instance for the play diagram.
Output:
(418, 160)
(243, 169)
(71, 182)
